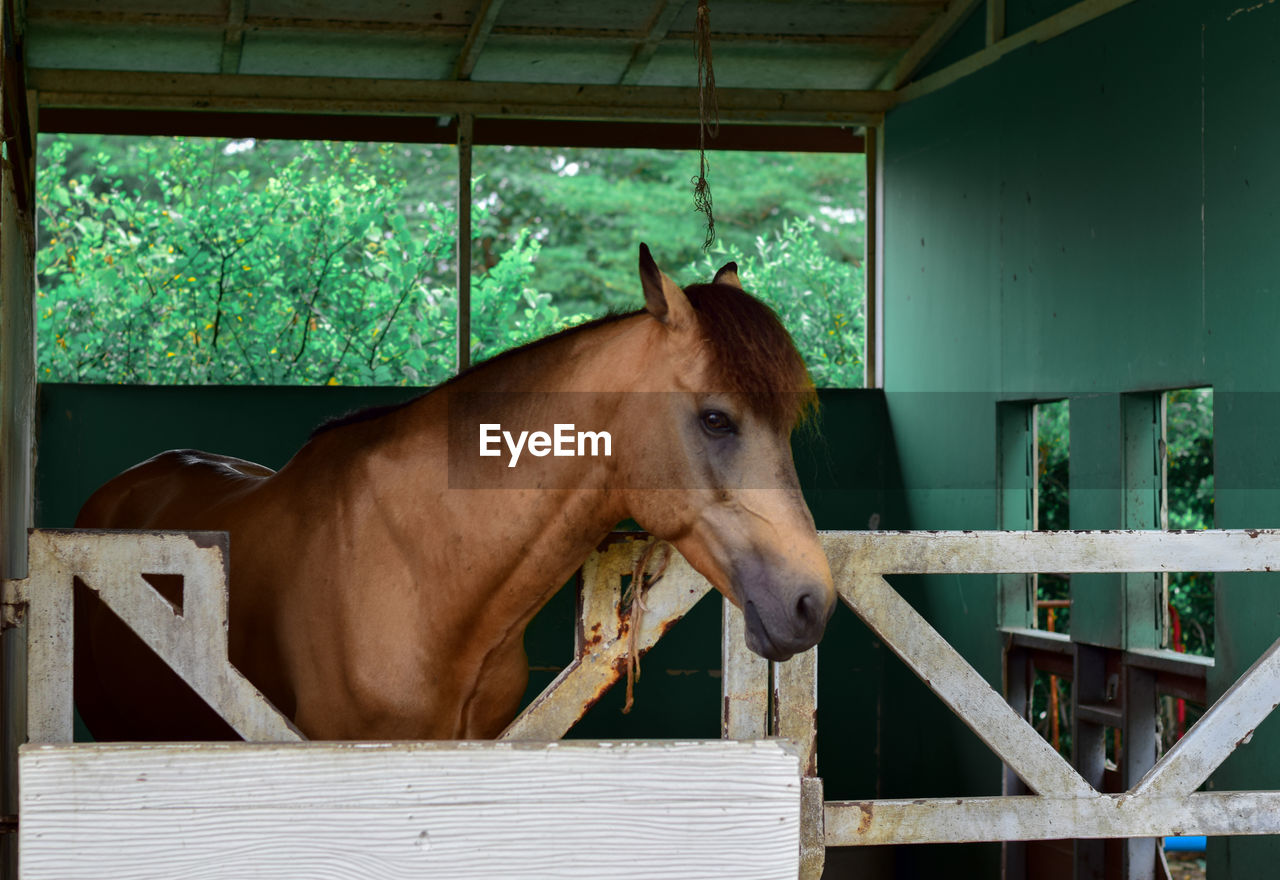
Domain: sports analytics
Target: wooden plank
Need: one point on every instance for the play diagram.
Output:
(140, 90)
(959, 685)
(994, 819)
(1098, 551)
(388, 811)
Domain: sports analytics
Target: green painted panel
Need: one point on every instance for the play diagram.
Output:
(1095, 217)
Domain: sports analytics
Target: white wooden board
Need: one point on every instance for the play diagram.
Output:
(388, 811)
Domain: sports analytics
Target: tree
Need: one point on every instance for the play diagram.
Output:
(193, 261)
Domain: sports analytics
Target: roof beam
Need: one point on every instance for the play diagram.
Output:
(446, 31)
(664, 15)
(477, 36)
(1042, 31)
(942, 29)
(138, 90)
(233, 37)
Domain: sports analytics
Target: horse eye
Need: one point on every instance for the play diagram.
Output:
(716, 422)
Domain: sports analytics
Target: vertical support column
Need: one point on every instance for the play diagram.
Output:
(466, 137)
(1139, 751)
(873, 358)
(1089, 745)
(1016, 471)
(1017, 691)
(17, 390)
(1145, 598)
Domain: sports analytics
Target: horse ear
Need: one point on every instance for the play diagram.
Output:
(728, 274)
(663, 298)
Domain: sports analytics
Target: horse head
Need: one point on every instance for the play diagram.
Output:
(715, 475)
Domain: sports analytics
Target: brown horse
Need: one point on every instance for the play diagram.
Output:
(382, 580)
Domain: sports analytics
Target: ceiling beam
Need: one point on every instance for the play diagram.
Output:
(433, 130)
(233, 37)
(1042, 31)
(664, 15)
(481, 27)
(942, 29)
(447, 31)
(395, 97)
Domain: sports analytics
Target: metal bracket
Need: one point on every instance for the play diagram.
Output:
(15, 602)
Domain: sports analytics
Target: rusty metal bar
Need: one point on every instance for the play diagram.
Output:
(959, 685)
(1031, 552)
(744, 682)
(605, 626)
(1229, 723)
(193, 643)
(993, 819)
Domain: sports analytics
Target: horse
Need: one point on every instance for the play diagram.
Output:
(381, 581)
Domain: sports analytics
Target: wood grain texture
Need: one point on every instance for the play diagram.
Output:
(321, 810)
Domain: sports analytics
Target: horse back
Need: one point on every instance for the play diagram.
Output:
(174, 490)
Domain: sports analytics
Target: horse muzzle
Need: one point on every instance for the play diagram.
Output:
(784, 620)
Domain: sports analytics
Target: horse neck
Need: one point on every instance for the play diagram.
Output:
(540, 537)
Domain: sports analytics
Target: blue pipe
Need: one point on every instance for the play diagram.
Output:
(1185, 844)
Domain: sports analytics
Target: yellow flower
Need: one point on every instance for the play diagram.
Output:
(333, 381)
(191, 279)
(170, 354)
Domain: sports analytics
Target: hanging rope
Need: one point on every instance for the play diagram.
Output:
(708, 118)
(634, 597)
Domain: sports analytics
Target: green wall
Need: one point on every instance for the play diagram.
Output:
(845, 460)
(1092, 217)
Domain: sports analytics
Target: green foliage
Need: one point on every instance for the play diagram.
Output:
(214, 261)
(1189, 480)
(1189, 438)
(819, 299)
(588, 209)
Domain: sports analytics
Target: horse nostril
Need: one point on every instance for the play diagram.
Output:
(807, 608)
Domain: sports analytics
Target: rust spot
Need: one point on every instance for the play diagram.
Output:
(1252, 533)
(207, 540)
(864, 822)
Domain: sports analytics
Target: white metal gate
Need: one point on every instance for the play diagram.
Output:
(756, 704)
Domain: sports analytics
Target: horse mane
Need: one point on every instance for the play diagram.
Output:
(752, 351)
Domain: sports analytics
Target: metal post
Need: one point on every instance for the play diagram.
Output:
(466, 136)
(1089, 744)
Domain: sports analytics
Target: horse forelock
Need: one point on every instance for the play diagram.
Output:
(752, 353)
